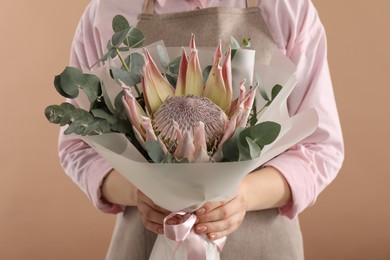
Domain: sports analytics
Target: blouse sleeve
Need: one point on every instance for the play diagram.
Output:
(313, 163)
(80, 162)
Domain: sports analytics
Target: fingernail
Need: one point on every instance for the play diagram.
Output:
(212, 236)
(172, 222)
(200, 211)
(201, 229)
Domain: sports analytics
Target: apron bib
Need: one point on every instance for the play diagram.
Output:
(263, 235)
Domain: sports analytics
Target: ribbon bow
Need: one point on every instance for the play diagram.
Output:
(184, 233)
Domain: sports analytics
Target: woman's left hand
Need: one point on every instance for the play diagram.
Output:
(218, 219)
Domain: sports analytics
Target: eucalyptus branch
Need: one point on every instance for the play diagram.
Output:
(122, 60)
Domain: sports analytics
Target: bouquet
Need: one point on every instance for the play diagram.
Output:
(184, 130)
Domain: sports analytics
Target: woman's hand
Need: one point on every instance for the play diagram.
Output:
(219, 219)
(151, 214)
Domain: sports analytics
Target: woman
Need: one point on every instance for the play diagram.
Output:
(261, 220)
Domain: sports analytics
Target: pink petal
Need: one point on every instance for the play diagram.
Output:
(147, 125)
(139, 137)
(133, 109)
(200, 136)
(192, 41)
(247, 104)
(186, 148)
(162, 145)
(181, 80)
(227, 77)
(178, 133)
(231, 128)
(201, 156)
(236, 103)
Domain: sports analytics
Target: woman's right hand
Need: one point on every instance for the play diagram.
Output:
(152, 215)
(117, 189)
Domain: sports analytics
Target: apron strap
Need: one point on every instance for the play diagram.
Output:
(251, 3)
(149, 7)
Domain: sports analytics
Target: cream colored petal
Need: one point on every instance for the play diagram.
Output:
(215, 88)
(152, 100)
(194, 79)
(153, 79)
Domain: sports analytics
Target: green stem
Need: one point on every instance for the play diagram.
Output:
(266, 105)
(122, 60)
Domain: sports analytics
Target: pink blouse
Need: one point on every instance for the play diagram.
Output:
(297, 30)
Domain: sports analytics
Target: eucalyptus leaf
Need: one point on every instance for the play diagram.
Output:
(233, 53)
(275, 91)
(97, 127)
(129, 78)
(171, 79)
(119, 37)
(68, 110)
(91, 87)
(54, 114)
(206, 73)
(174, 65)
(168, 158)
(253, 118)
(164, 60)
(104, 114)
(263, 134)
(119, 23)
(107, 100)
(122, 126)
(135, 62)
(254, 149)
(154, 151)
(120, 111)
(262, 91)
(58, 86)
(135, 38)
(71, 81)
(230, 149)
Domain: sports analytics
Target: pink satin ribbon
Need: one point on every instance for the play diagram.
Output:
(184, 233)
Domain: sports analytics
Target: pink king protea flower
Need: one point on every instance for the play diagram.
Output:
(195, 119)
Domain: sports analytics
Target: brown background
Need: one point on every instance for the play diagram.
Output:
(43, 215)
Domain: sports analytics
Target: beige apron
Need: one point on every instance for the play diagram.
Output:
(264, 235)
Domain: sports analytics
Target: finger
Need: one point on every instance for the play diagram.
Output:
(221, 228)
(222, 212)
(149, 214)
(209, 206)
(154, 227)
(145, 199)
